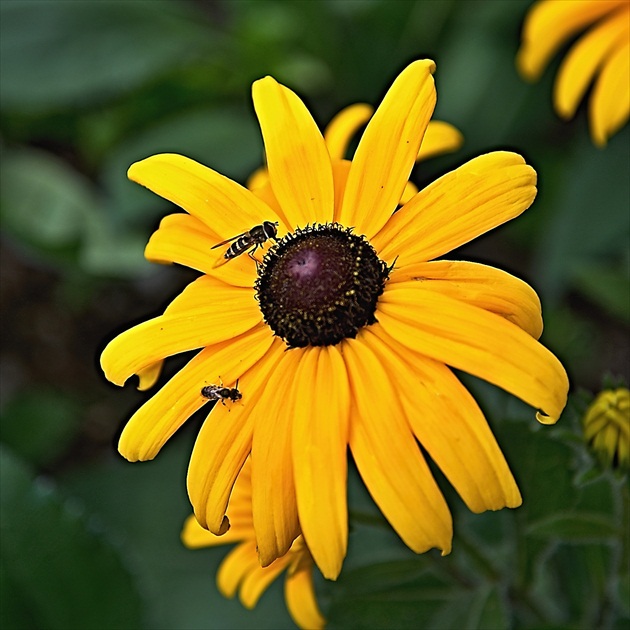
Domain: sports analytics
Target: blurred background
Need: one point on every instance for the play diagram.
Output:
(88, 87)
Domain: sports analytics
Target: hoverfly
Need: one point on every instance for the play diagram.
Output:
(222, 393)
(253, 239)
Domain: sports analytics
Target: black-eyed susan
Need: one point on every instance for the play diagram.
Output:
(606, 426)
(343, 335)
(600, 57)
(241, 571)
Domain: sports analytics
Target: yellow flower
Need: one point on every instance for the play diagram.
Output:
(342, 336)
(601, 56)
(607, 426)
(241, 570)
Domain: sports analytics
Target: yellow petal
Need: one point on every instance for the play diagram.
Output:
(610, 103)
(183, 239)
(475, 341)
(196, 537)
(320, 438)
(209, 312)
(299, 594)
(235, 568)
(461, 205)
(440, 137)
(158, 419)
(149, 375)
(341, 170)
(258, 580)
(552, 22)
(388, 150)
(224, 443)
(258, 179)
(274, 503)
(449, 425)
(479, 285)
(343, 127)
(297, 158)
(387, 455)
(265, 192)
(410, 191)
(583, 60)
(223, 205)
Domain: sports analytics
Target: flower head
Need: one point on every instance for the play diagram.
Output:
(344, 335)
(241, 570)
(601, 56)
(607, 427)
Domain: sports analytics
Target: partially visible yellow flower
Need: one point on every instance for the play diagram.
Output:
(607, 426)
(600, 56)
(241, 569)
(440, 137)
(345, 335)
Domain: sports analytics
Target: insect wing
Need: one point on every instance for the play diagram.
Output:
(229, 240)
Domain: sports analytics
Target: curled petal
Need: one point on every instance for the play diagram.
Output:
(461, 205)
(149, 375)
(388, 150)
(209, 311)
(478, 342)
(479, 285)
(158, 419)
(297, 157)
(196, 537)
(224, 443)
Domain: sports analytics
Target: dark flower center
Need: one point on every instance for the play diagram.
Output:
(320, 285)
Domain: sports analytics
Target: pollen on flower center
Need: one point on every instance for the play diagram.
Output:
(320, 285)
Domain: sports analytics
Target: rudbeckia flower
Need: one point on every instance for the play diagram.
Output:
(344, 334)
(607, 427)
(241, 571)
(601, 56)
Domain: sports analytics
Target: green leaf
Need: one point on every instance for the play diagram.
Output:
(488, 610)
(587, 206)
(44, 202)
(39, 423)
(388, 595)
(69, 575)
(110, 250)
(607, 286)
(574, 527)
(58, 54)
(542, 466)
(144, 505)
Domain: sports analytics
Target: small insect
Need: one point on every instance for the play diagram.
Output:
(246, 240)
(222, 393)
